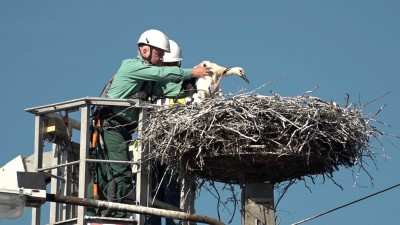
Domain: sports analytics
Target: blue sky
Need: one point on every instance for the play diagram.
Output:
(52, 51)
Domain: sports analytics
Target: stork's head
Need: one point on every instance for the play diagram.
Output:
(206, 64)
(223, 71)
(239, 71)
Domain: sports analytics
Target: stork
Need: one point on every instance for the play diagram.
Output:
(209, 85)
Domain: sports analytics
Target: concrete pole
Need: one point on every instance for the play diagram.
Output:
(258, 204)
(187, 197)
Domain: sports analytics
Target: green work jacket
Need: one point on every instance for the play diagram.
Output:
(134, 72)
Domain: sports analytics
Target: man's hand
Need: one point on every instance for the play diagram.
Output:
(201, 72)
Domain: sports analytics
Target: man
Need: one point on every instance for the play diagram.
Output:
(164, 187)
(165, 93)
(134, 79)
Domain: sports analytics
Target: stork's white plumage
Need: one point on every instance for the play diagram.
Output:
(209, 85)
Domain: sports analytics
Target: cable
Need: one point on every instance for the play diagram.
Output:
(350, 203)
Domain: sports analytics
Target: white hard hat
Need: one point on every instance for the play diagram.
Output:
(175, 55)
(155, 38)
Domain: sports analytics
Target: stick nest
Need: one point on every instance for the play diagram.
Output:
(257, 138)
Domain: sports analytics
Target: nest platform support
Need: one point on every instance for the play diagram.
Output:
(258, 204)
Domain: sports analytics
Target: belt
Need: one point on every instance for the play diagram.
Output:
(130, 126)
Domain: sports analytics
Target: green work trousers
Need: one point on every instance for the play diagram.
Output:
(114, 179)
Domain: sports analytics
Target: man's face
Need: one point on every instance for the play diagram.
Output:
(157, 57)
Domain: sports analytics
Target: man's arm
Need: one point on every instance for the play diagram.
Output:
(137, 69)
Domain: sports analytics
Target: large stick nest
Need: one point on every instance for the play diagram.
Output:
(258, 138)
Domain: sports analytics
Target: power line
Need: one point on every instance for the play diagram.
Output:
(342, 206)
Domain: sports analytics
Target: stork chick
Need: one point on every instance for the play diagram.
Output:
(209, 85)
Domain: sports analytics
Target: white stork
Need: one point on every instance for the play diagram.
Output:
(209, 85)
